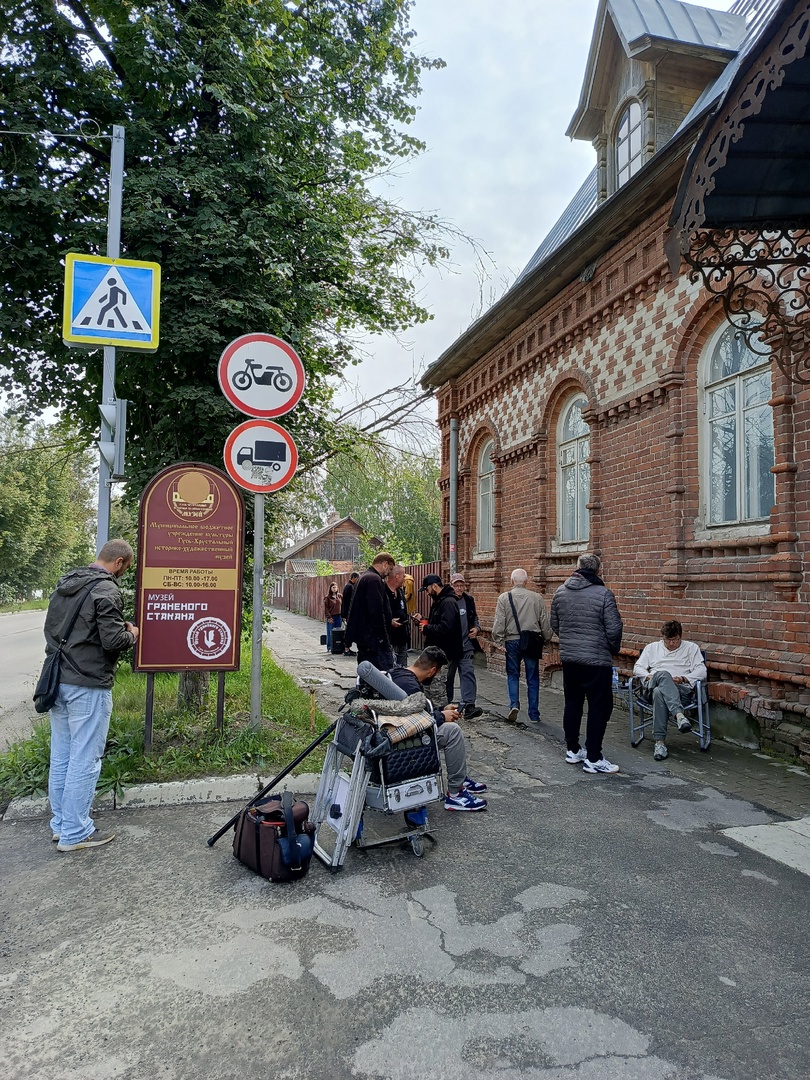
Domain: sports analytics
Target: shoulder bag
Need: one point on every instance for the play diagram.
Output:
(531, 641)
(47, 688)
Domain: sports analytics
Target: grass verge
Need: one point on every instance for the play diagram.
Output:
(185, 744)
(24, 605)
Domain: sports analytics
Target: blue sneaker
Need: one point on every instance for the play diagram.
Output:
(465, 800)
(473, 785)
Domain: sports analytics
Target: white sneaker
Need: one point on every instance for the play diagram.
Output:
(660, 752)
(683, 722)
(574, 757)
(600, 766)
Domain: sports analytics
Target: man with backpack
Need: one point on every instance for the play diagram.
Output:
(80, 716)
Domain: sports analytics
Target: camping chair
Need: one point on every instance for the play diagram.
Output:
(696, 708)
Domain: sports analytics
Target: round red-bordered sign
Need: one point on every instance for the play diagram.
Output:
(260, 456)
(261, 375)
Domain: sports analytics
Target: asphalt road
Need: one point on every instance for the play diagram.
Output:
(22, 648)
(584, 928)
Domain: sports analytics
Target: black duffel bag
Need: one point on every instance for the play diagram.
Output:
(531, 641)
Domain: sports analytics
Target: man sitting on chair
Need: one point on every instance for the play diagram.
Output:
(668, 670)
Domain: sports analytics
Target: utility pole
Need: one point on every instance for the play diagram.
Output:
(108, 399)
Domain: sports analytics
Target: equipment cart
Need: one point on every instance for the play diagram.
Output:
(366, 769)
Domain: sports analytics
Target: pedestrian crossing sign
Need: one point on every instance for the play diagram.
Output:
(111, 302)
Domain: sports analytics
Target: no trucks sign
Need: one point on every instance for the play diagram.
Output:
(190, 561)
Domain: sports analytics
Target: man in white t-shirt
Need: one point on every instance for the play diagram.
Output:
(668, 670)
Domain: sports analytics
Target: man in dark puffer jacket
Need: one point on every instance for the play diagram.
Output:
(586, 619)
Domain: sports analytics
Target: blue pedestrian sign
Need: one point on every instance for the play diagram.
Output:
(111, 302)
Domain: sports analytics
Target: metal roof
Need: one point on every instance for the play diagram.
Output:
(671, 20)
(581, 207)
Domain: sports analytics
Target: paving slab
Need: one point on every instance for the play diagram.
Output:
(787, 842)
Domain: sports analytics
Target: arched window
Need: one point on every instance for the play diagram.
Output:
(739, 432)
(629, 143)
(574, 472)
(486, 498)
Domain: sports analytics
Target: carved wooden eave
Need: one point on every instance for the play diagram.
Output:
(741, 219)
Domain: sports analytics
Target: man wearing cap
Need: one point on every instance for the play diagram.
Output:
(442, 628)
(465, 667)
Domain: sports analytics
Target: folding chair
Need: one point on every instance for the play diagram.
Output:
(696, 708)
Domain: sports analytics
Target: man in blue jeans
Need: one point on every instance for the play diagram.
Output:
(80, 717)
(531, 614)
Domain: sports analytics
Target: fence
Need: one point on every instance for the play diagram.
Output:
(305, 595)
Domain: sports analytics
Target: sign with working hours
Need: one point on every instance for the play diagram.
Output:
(111, 302)
(190, 558)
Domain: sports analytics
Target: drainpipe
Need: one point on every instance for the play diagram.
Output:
(453, 494)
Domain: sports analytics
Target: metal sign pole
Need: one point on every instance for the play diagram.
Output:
(108, 381)
(258, 613)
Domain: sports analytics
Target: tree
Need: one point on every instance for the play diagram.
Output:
(45, 507)
(392, 493)
(252, 128)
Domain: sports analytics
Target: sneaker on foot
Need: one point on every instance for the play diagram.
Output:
(600, 766)
(660, 751)
(471, 712)
(513, 714)
(683, 722)
(573, 757)
(95, 839)
(473, 786)
(55, 838)
(464, 800)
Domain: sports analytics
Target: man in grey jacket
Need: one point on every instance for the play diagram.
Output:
(531, 615)
(586, 619)
(80, 717)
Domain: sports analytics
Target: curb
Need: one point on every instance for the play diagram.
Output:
(212, 789)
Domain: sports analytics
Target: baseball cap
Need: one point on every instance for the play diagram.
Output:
(431, 579)
(457, 577)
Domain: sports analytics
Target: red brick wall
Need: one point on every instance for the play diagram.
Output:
(631, 338)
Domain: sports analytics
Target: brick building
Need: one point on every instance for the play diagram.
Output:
(606, 403)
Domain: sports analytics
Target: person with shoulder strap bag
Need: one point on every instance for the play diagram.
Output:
(520, 628)
(85, 633)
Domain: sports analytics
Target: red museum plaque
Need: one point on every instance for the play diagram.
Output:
(190, 558)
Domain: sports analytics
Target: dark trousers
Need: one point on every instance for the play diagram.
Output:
(593, 683)
(380, 656)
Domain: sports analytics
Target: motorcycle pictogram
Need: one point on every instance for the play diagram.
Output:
(274, 376)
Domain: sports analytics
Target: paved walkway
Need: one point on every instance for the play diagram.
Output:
(774, 784)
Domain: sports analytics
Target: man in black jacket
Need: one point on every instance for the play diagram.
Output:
(80, 717)
(465, 667)
(367, 625)
(463, 792)
(348, 593)
(442, 628)
(399, 630)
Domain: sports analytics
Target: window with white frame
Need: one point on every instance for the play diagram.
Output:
(574, 472)
(486, 498)
(739, 432)
(629, 143)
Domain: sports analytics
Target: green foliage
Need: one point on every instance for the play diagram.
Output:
(45, 507)
(252, 128)
(393, 494)
(185, 744)
(323, 568)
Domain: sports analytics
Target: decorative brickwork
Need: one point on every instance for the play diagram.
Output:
(631, 337)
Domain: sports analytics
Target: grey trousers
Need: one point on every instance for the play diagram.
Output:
(400, 655)
(450, 738)
(668, 698)
(466, 673)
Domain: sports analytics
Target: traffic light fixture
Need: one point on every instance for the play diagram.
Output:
(113, 440)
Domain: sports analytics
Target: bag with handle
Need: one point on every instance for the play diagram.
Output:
(274, 838)
(47, 688)
(531, 641)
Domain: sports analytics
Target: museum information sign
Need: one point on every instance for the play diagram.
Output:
(190, 557)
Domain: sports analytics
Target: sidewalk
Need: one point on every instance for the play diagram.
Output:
(775, 785)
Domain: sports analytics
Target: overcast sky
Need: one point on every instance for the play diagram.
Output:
(498, 164)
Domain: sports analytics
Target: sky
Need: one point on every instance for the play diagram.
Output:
(498, 165)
